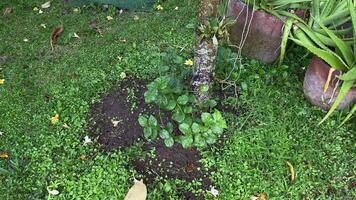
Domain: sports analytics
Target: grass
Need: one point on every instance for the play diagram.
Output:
(278, 125)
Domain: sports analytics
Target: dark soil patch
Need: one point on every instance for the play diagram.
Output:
(175, 162)
(124, 106)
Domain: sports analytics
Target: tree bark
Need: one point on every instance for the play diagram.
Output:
(205, 53)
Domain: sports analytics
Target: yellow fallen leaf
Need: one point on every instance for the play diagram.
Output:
(292, 172)
(82, 157)
(55, 119)
(189, 62)
(263, 196)
(35, 9)
(159, 7)
(4, 155)
(75, 10)
(2, 81)
(136, 17)
(137, 192)
(109, 18)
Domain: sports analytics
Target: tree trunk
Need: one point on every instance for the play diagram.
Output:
(205, 53)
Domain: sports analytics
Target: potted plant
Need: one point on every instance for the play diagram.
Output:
(258, 27)
(330, 81)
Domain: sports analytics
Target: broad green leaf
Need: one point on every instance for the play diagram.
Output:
(171, 105)
(345, 88)
(187, 141)
(195, 128)
(178, 116)
(169, 142)
(199, 141)
(150, 96)
(184, 128)
(206, 117)
(169, 127)
(183, 99)
(217, 130)
(334, 61)
(203, 88)
(217, 115)
(352, 111)
(142, 121)
(188, 109)
(353, 19)
(349, 76)
(147, 132)
(164, 134)
(152, 121)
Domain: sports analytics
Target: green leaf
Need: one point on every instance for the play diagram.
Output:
(171, 105)
(183, 99)
(163, 69)
(142, 121)
(187, 141)
(341, 45)
(349, 76)
(164, 134)
(217, 115)
(150, 96)
(147, 132)
(286, 31)
(169, 142)
(188, 109)
(154, 134)
(152, 121)
(178, 116)
(218, 130)
(184, 128)
(346, 86)
(169, 127)
(333, 60)
(199, 141)
(210, 140)
(203, 88)
(206, 117)
(212, 103)
(352, 111)
(353, 19)
(195, 128)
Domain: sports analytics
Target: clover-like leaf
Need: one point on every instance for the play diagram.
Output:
(183, 99)
(142, 121)
(169, 142)
(184, 128)
(152, 121)
(164, 134)
(147, 132)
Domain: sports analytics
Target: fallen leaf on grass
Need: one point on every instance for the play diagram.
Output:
(136, 17)
(43, 25)
(55, 119)
(261, 196)
(35, 9)
(25, 40)
(55, 34)
(291, 170)
(87, 140)
(75, 10)
(213, 191)
(82, 157)
(64, 125)
(2, 81)
(46, 5)
(115, 122)
(7, 11)
(53, 192)
(4, 155)
(109, 18)
(40, 11)
(137, 192)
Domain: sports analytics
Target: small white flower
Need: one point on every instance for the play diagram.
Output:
(53, 192)
(43, 25)
(176, 8)
(214, 191)
(1, 133)
(123, 75)
(87, 140)
(25, 40)
(40, 11)
(115, 122)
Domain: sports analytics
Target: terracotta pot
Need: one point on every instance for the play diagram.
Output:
(262, 40)
(314, 81)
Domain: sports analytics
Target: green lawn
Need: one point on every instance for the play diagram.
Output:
(276, 125)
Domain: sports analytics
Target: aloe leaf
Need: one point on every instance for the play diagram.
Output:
(353, 19)
(286, 32)
(346, 86)
(313, 36)
(345, 50)
(285, 2)
(349, 76)
(352, 111)
(335, 18)
(327, 9)
(328, 56)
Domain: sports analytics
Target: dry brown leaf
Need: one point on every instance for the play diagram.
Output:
(292, 172)
(137, 192)
(327, 83)
(7, 11)
(263, 196)
(83, 157)
(4, 155)
(55, 34)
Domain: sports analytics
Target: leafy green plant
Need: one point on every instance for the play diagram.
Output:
(197, 126)
(323, 37)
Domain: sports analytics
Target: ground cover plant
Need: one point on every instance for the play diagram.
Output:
(54, 106)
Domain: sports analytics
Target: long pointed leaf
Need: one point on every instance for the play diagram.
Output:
(353, 19)
(334, 61)
(346, 86)
(345, 50)
(352, 111)
(286, 32)
(350, 75)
